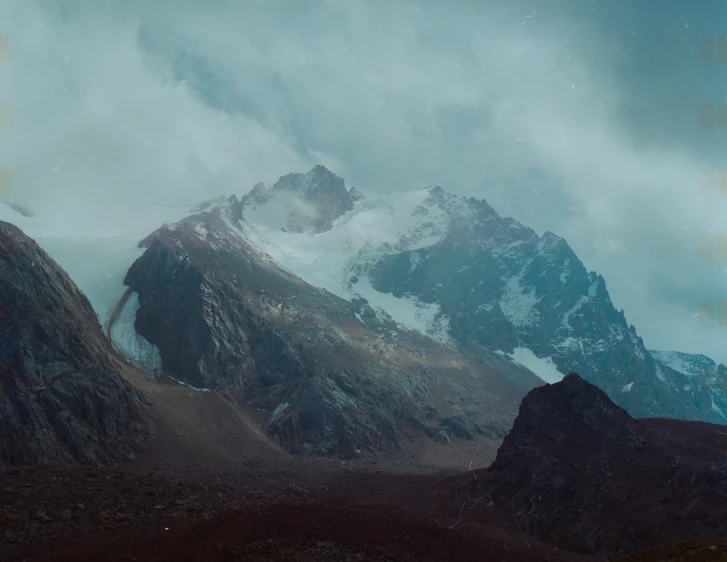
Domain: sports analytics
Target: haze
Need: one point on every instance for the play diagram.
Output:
(581, 119)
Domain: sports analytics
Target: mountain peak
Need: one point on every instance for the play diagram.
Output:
(317, 179)
(552, 238)
(259, 187)
(305, 201)
(321, 171)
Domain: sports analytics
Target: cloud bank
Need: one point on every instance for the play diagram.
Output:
(581, 119)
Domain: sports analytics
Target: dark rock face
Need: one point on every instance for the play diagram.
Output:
(502, 286)
(225, 316)
(62, 398)
(577, 471)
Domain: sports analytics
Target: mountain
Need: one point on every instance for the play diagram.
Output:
(62, 395)
(577, 471)
(333, 376)
(454, 269)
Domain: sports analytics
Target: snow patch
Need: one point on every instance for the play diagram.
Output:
(565, 273)
(518, 305)
(716, 408)
(375, 227)
(593, 288)
(278, 411)
(189, 385)
(541, 367)
(200, 230)
(687, 364)
(422, 317)
(570, 344)
(565, 322)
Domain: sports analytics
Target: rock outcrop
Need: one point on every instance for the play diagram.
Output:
(62, 397)
(577, 471)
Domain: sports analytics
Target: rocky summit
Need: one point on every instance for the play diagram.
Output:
(62, 395)
(577, 471)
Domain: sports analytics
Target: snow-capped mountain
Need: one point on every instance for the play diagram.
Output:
(454, 269)
(332, 376)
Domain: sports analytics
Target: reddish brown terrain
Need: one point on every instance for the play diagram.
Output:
(211, 487)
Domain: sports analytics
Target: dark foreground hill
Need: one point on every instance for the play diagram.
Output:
(577, 471)
(62, 398)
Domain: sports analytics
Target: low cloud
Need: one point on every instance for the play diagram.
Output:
(555, 119)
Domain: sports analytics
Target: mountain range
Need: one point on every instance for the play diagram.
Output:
(354, 323)
(450, 268)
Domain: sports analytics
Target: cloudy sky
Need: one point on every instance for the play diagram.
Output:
(575, 116)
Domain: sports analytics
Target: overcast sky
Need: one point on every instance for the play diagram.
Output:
(575, 116)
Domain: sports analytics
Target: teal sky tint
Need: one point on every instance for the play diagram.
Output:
(582, 119)
(648, 49)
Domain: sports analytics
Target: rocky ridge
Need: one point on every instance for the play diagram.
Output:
(62, 396)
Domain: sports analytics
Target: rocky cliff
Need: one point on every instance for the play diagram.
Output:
(62, 397)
